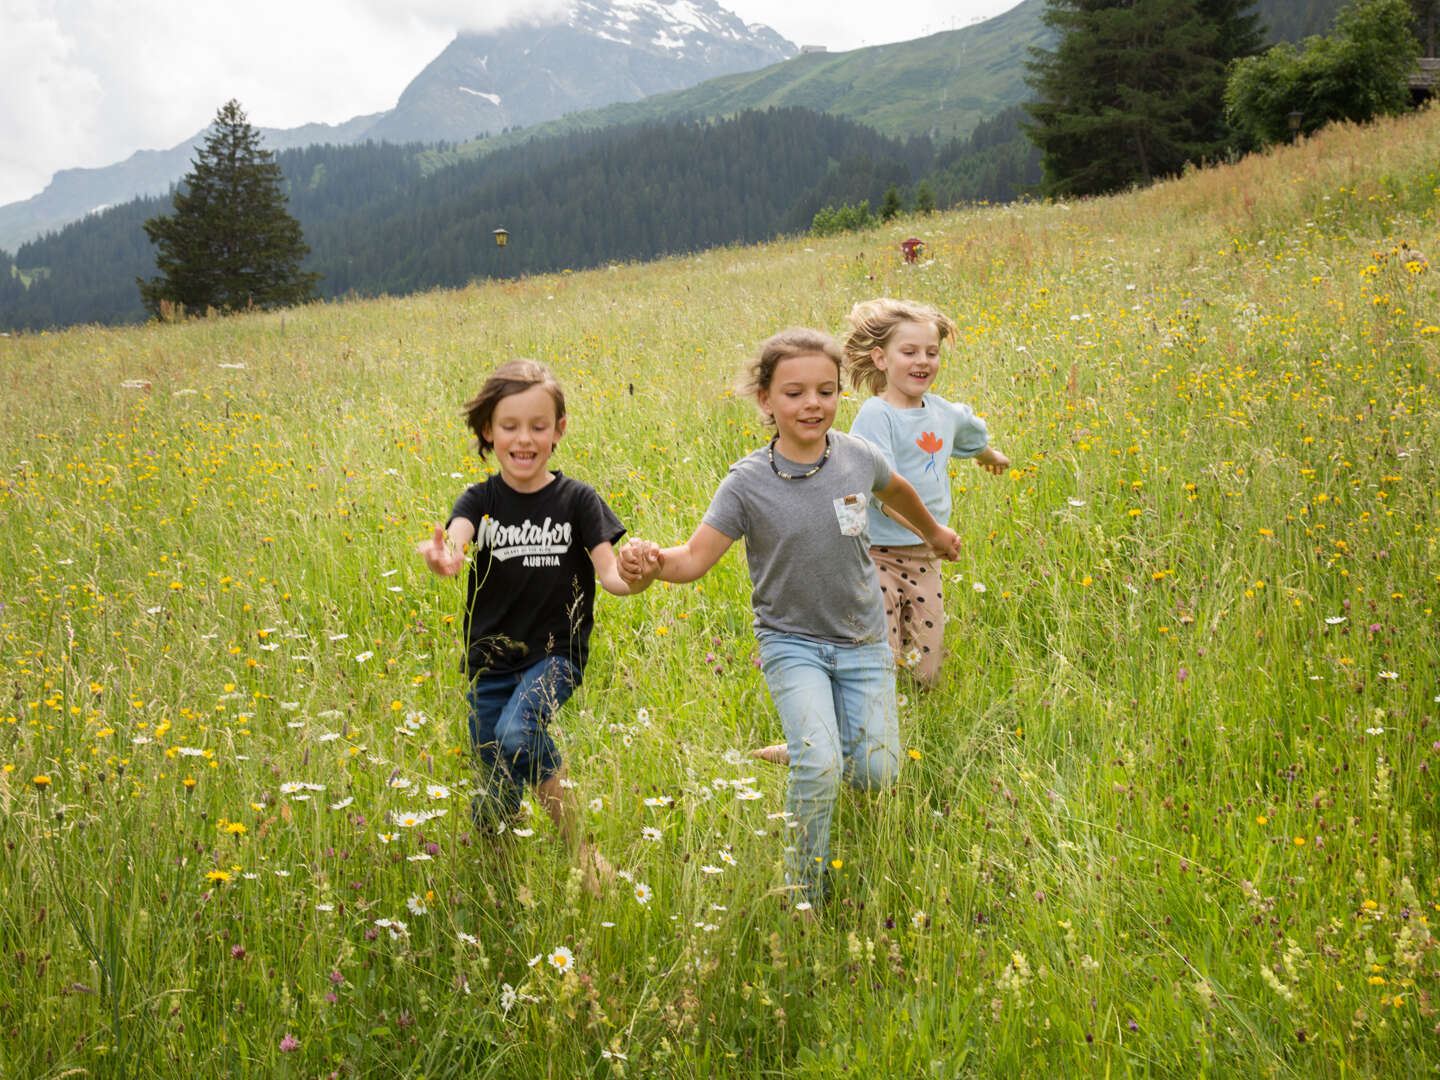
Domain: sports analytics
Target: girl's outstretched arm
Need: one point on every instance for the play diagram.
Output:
(899, 495)
(643, 560)
(607, 572)
(444, 552)
(992, 461)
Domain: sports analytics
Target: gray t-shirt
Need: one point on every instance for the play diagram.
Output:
(807, 543)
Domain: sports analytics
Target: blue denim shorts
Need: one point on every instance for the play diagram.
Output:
(510, 720)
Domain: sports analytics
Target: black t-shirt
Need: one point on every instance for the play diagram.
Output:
(530, 590)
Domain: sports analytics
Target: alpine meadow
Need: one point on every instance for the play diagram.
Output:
(1172, 811)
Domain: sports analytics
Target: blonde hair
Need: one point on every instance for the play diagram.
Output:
(796, 341)
(514, 377)
(873, 323)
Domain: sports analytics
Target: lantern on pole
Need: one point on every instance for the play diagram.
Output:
(1294, 116)
(502, 236)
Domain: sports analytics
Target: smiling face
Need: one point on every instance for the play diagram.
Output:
(802, 396)
(910, 360)
(524, 432)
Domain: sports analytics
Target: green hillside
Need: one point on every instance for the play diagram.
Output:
(941, 85)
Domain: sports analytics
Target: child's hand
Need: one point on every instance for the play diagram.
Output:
(441, 556)
(946, 544)
(639, 560)
(992, 461)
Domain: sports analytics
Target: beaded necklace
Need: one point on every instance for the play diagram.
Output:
(800, 476)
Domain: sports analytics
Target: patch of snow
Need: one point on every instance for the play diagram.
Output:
(494, 99)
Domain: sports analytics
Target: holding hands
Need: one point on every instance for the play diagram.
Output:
(442, 555)
(639, 560)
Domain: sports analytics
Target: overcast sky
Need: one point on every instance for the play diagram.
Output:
(89, 82)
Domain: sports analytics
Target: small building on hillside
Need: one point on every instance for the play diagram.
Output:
(1424, 79)
(813, 48)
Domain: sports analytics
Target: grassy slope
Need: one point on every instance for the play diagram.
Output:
(1171, 814)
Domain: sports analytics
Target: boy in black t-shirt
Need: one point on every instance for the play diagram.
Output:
(541, 540)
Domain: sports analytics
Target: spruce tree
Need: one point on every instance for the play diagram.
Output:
(891, 207)
(1133, 89)
(231, 243)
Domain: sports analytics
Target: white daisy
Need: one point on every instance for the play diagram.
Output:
(643, 893)
(562, 960)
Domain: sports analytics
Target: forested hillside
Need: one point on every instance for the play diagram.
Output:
(377, 223)
(1292, 20)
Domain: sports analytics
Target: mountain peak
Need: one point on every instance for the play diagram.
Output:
(600, 53)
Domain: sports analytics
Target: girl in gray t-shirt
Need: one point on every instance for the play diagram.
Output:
(800, 504)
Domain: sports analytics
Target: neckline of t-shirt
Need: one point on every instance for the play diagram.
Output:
(555, 474)
(801, 466)
(922, 407)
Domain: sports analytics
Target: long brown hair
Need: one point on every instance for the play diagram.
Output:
(513, 377)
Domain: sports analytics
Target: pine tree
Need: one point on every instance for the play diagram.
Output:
(891, 207)
(231, 243)
(1133, 89)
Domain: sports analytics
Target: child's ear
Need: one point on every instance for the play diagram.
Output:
(560, 428)
(877, 357)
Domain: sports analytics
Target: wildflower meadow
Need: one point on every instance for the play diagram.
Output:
(1171, 813)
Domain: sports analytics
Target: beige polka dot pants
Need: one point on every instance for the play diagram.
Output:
(914, 608)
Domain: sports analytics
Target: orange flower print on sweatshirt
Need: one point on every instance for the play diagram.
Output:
(932, 445)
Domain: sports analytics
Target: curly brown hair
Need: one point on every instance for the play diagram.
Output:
(872, 323)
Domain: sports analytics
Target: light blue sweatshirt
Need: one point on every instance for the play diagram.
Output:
(919, 444)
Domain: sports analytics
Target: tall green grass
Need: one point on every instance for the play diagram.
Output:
(1171, 813)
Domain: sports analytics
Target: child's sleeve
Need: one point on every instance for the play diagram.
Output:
(468, 506)
(971, 436)
(597, 522)
(873, 425)
(726, 513)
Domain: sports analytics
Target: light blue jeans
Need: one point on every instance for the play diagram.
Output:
(837, 706)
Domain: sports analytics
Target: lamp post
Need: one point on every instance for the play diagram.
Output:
(1295, 116)
(502, 234)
